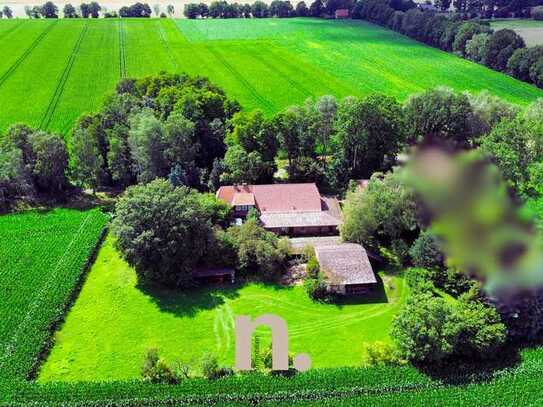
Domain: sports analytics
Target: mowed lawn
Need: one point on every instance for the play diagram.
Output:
(53, 71)
(530, 30)
(114, 321)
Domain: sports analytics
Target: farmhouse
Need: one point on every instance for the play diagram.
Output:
(347, 267)
(342, 13)
(287, 209)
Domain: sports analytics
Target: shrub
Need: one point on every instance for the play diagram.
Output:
(211, 369)
(313, 267)
(156, 370)
(316, 287)
(426, 253)
(381, 354)
(477, 47)
(536, 73)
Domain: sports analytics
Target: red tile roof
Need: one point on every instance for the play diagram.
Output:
(277, 197)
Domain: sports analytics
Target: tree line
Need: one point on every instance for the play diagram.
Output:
(503, 50)
(92, 10)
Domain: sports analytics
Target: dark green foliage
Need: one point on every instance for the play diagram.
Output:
(369, 133)
(32, 163)
(383, 212)
(522, 61)
(501, 46)
(259, 253)
(163, 231)
(153, 127)
(426, 252)
(136, 10)
(49, 10)
(465, 33)
(440, 116)
(430, 329)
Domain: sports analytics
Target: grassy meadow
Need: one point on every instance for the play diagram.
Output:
(53, 71)
(115, 320)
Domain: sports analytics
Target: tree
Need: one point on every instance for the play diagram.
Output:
(69, 11)
(94, 9)
(259, 252)
(156, 9)
(162, 231)
(85, 10)
(370, 132)
(537, 13)
(170, 9)
(383, 212)
(253, 132)
(426, 252)
(522, 61)
(465, 33)
(192, 10)
(13, 180)
(204, 10)
(316, 8)
(501, 46)
(489, 110)
(301, 9)
(241, 166)
(7, 12)
(536, 73)
(86, 161)
(259, 9)
(50, 161)
(477, 47)
(514, 146)
(49, 10)
(147, 140)
(440, 116)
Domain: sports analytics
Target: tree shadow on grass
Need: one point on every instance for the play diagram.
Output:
(473, 371)
(188, 302)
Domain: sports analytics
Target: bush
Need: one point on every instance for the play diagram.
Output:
(426, 253)
(381, 354)
(316, 287)
(211, 369)
(313, 267)
(477, 47)
(537, 13)
(156, 370)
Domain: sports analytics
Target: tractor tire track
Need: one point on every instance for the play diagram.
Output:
(53, 103)
(166, 45)
(15, 27)
(241, 79)
(284, 74)
(122, 53)
(25, 54)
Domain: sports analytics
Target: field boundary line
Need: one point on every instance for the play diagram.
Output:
(27, 52)
(166, 45)
(240, 78)
(11, 345)
(59, 90)
(14, 28)
(122, 52)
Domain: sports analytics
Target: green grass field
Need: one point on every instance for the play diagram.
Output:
(530, 30)
(52, 71)
(42, 256)
(114, 321)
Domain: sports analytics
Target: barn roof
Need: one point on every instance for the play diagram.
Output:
(276, 197)
(298, 219)
(345, 263)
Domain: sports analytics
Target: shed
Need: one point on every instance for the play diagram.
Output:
(347, 268)
(215, 274)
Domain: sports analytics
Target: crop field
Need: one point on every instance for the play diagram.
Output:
(530, 30)
(53, 71)
(114, 321)
(42, 256)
